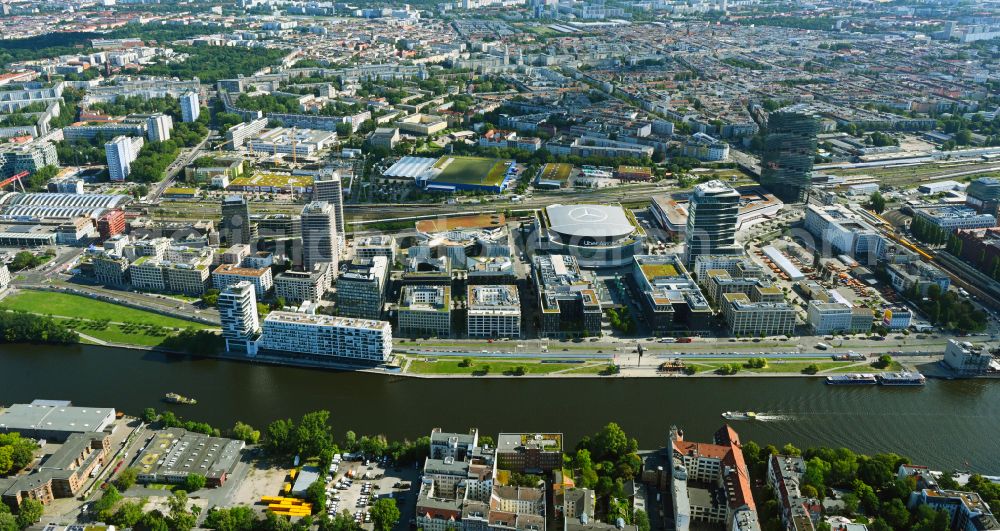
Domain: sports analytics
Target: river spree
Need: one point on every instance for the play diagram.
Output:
(947, 424)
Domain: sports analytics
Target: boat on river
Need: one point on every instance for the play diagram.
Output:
(854, 378)
(175, 398)
(902, 378)
(739, 415)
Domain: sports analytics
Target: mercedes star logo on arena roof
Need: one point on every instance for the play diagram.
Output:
(588, 215)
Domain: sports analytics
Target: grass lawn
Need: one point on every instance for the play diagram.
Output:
(866, 367)
(68, 305)
(589, 369)
(556, 171)
(113, 333)
(497, 366)
(542, 31)
(116, 334)
(797, 366)
(773, 366)
(470, 170)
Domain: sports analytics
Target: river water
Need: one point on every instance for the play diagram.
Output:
(947, 424)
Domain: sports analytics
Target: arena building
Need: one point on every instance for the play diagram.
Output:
(596, 235)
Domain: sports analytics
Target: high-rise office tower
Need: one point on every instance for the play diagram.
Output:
(120, 153)
(319, 235)
(158, 127)
(789, 150)
(238, 315)
(236, 227)
(327, 187)
(190, 107)
(711, 222)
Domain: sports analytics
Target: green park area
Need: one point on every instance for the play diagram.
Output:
(778, 366)
(493, 366)
(100, 320)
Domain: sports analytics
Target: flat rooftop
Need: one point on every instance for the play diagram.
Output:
(29, 417)
(551, 442)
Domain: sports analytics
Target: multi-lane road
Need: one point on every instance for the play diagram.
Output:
(185, 157)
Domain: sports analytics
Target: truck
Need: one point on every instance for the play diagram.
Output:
(684, 340)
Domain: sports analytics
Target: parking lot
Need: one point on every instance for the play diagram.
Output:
(354, 485)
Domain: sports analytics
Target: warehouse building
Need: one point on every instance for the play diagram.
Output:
(54, 420)
(171, 455)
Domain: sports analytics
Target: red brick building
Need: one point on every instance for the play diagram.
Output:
(111, 223)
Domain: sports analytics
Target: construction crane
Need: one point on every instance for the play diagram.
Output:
(15, 179)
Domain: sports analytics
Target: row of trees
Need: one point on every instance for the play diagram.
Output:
(927, 232)
(989, 267)
(242, 518)
(169, 419)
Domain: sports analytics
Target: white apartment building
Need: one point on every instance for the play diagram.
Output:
(187, 278)
(120, 154)
(238, 134)
(238, 314)
(4, 277)
(340, 338)
(158, 127)
(327, 186)
(147, 274)
(156, 248)
(518, 500)
(493, 311)
(190, 107)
